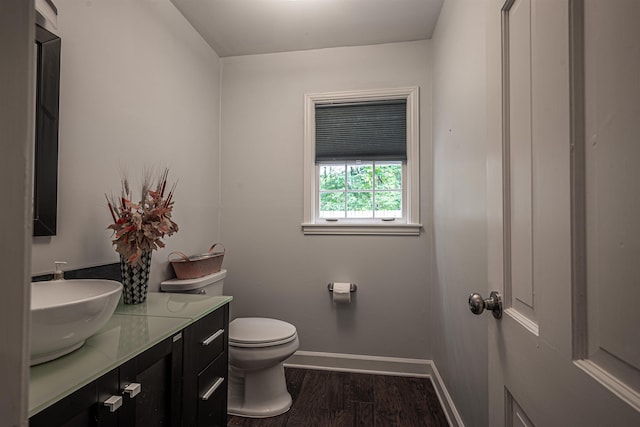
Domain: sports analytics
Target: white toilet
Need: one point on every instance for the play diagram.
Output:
(257, 348)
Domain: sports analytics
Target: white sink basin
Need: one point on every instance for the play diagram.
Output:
(64, 313)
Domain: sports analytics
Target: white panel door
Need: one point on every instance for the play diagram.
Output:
(564, 212)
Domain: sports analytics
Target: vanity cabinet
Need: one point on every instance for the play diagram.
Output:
(151, 386)
(145, 390)
(205, 371)
(178, 381)
(82, 408)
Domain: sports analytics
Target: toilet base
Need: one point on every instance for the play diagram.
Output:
(258, 394)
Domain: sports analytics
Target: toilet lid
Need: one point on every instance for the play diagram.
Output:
(260, 332)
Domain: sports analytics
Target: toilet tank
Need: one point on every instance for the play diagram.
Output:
(211, 284)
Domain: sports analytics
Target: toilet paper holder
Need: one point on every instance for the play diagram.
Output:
(352, 287)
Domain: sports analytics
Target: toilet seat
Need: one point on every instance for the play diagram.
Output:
(260, 332)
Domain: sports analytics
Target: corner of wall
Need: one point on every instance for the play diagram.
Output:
(460, 241)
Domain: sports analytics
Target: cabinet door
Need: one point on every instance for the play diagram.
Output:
(156, 380)
(83, 408)
(107, 388)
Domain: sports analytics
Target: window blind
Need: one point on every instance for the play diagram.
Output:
(372, 130)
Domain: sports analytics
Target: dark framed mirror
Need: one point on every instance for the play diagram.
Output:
(45, 167)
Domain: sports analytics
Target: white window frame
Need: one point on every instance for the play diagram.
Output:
(410, 225)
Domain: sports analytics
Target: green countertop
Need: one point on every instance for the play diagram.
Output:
(130, 331)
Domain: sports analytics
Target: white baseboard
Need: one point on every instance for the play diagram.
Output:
(379, 366)
(450, 410)
(359, 363)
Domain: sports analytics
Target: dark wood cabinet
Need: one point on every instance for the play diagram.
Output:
(212, 394)
(107, 387)
(205, 371)
(83, 408)
(179, 382)
(151, 386)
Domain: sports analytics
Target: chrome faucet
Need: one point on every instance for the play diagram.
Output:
(58, 274)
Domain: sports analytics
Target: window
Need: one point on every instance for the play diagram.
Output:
(361, 162)
(364, 190)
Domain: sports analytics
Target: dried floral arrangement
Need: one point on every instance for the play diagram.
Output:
(140, 227)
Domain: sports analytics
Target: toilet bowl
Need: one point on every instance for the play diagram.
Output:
(257, 348)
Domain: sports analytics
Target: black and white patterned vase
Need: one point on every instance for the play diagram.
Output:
(135, 279)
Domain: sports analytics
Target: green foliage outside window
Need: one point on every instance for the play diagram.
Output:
(332, 201)
(360, 177)
(352, 190)
(332, 177)
(388, 201)
(388, 177)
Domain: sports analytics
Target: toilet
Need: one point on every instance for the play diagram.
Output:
(258, 346)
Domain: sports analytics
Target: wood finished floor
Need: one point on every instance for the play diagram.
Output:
(341, 399)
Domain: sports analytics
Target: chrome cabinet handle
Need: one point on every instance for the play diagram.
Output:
(494, 303)
(207, 394)
(113, 403)
(132, 389)
(213, 337)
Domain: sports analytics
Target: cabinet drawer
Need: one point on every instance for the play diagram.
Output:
(204, 364)
(208, 339)
(212, 394)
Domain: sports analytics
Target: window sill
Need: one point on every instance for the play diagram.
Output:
(362, 229)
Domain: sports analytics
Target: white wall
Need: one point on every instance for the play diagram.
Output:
(16, 148)
(460, 240)
(139, 87)
(276, 271)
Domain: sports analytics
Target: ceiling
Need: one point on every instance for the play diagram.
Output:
(246, 27)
